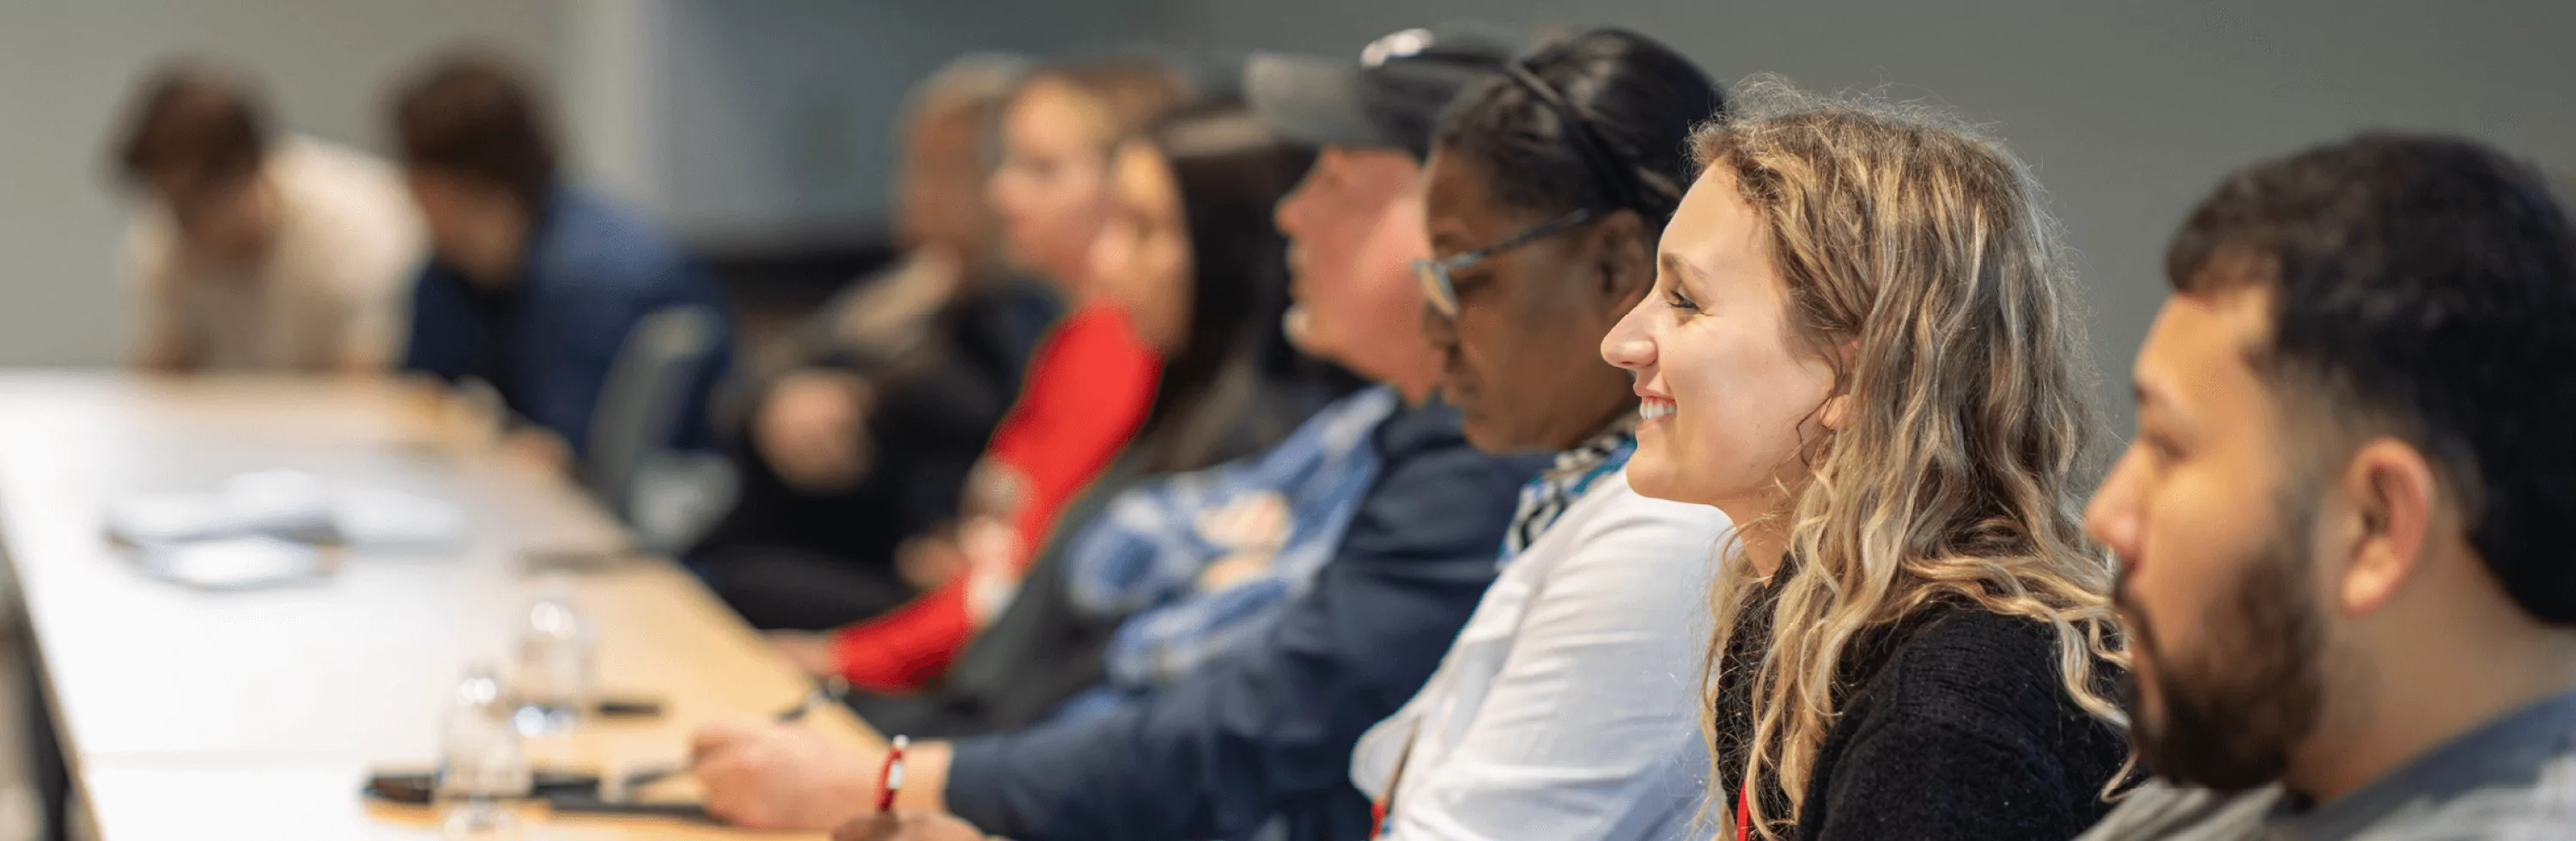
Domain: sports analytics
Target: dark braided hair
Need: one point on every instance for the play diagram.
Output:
(1601, 120)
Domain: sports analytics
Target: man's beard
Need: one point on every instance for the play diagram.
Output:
(2233, 714)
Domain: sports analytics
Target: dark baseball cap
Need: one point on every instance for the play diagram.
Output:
(1388, 98)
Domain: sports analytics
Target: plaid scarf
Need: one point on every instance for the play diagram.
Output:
(1546, 497)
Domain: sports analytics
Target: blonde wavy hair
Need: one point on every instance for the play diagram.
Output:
(1923, 268)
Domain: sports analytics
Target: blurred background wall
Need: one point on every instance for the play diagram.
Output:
(753, 127)
(772, 122)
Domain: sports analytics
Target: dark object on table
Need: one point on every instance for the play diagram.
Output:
(563, 791)
(421, 787)
(580, 804)
(630, 708)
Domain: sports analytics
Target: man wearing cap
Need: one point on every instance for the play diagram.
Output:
(1258, 735)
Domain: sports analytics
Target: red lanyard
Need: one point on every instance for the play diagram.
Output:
(1744, 813)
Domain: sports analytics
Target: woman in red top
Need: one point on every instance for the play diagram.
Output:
(1192, 260)
(1091, 380)
(1089, 385)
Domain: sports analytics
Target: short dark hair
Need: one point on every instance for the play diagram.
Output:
(193, 119)
(1600, 120)
(474, 114)
(2424, 286)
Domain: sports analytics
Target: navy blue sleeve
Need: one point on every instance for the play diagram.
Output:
(576, 337)
(566, 347)
(440, 340)
(1271, 732)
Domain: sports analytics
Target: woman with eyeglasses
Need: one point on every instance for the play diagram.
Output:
(1566, 707)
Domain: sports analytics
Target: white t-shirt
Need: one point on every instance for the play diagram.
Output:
(1569, 705)
(329, 296)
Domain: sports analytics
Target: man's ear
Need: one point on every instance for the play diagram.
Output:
(2392, 493)
(1626, 261)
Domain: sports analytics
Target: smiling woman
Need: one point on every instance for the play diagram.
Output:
(1861, 346)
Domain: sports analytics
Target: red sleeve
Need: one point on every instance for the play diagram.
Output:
(1088, 390)
(904, 649)
(1087, 393)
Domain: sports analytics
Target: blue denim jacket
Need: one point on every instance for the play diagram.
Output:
(1265, 733)
(1148, 556)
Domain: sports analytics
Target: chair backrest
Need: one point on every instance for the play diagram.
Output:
(640, 406)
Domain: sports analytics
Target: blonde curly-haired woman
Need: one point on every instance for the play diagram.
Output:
(1862, 345)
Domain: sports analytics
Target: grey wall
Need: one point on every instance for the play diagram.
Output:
(66, 67)
(772, 120)
(2130, 110)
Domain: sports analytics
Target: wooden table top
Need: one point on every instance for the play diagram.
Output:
(180, 708)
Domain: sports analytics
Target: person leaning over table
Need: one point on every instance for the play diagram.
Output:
(1564, 707)
(1862, 345)
(254, 252)
(2343, 515)
(1280, 713)
(532, 284)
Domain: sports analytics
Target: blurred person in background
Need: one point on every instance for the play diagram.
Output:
(1412, 559)
(256, 252)
(863, 430)
(1863, 346)
(533, 284)
(1089, 387)
(1094, 378)
(1188, 251)
(2342, 519)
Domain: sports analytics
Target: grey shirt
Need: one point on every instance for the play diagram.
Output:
(2511, 780)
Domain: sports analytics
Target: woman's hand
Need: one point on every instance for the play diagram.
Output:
(811, 651)
(812, 429)
(981, 545)
(539, 448)
(929, 561)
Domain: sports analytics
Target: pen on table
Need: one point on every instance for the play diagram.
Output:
(890, 777)
(834, 689)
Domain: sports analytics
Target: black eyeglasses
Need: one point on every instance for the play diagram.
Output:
(1434, 274)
